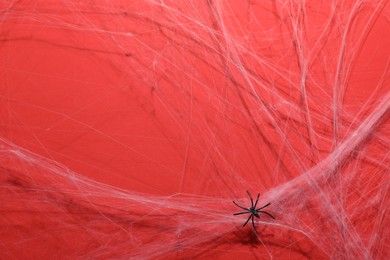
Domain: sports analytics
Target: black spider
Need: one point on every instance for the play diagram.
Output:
(253, 211)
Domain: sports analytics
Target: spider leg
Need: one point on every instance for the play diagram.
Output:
(239, 206)
(247, 220)
(263, 207)
(240, 213)
(253, 224)
(257, 200)
(267, 214)
(250, 196)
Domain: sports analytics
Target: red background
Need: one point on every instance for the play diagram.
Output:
(177, 98)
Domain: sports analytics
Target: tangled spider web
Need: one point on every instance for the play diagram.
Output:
(129, 127)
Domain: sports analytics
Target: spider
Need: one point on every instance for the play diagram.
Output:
(253, 211)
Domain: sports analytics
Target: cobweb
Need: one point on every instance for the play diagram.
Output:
(127, 128)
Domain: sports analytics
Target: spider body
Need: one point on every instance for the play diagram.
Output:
(253, 211)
